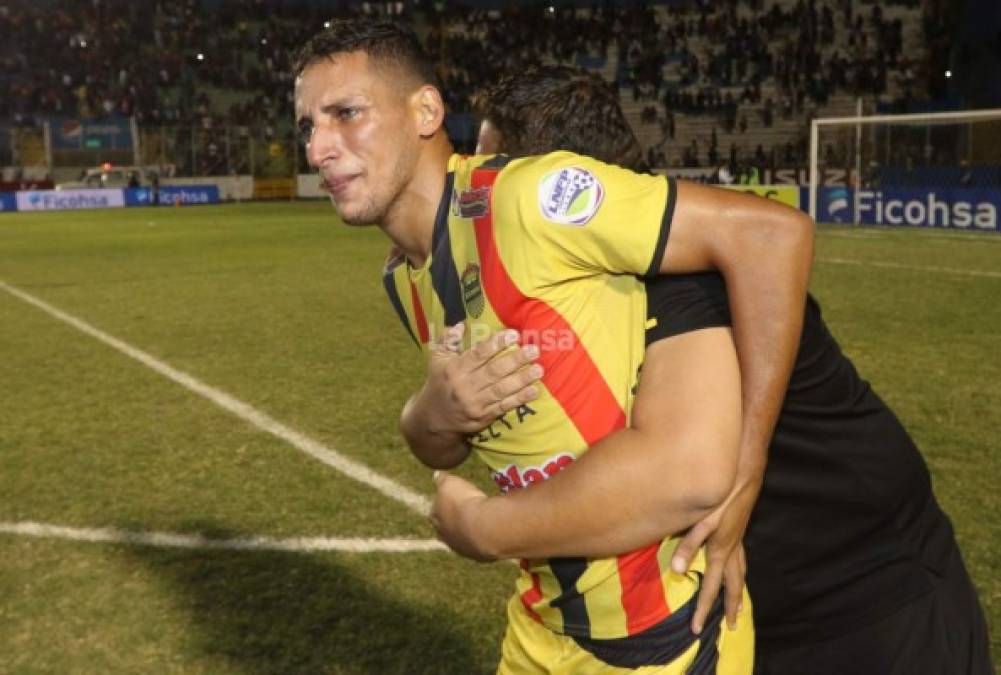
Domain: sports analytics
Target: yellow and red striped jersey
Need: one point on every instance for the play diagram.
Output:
(555, 247)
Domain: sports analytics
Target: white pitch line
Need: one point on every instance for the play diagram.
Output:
(196, 541)
(349, 467)
(916, 268)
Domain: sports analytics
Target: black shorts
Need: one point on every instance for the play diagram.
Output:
(942, 633)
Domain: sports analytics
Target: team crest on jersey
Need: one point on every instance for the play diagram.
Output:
(472, 291)
(474, 203)
(570, 196)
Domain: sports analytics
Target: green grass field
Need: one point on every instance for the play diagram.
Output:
(282, 307)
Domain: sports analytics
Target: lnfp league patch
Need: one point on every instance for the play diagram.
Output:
(472, 291)
(570, 196)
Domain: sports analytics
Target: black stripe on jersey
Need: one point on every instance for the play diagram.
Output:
(394, 298)
(571, 602)
(495, 162)
(664, 642)
(665, 229)
(444, 276)
(707, 656)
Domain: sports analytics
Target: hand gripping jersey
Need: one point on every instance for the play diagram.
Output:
(554, 247)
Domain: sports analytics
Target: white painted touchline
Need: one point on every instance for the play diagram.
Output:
(916, 268)
(195, 541)
(349, 467)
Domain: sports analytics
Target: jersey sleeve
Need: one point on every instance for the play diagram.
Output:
(683, 303)
(593, 217)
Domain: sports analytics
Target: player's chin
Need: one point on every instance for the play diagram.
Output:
(353, 216)
(358, 221)
(360, 213)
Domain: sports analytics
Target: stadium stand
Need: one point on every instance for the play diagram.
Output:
(703, 83)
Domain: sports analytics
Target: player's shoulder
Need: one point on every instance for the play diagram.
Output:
(553, 168)
(560, 187)
(516, 174)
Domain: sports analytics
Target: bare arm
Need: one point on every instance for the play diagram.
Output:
(766, 264)
(634, 487)
(764, 250)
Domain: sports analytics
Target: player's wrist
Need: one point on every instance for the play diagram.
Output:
(476, 532)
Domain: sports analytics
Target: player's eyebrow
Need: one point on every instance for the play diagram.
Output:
(346, 101)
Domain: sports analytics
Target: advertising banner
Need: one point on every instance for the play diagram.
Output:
(7, 201)
(74, 134)
(58, 200)
(958, 208)
(172, 195)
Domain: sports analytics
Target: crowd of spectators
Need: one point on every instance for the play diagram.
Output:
(164, 62)
(226, 62)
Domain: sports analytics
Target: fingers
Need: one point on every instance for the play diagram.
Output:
(452, 339)
(483, 351)
(519, 398)
(513, 382)
(689, 547)
(505, 364)
(479, 385)
(708, 591)
(488, 360)
(449, 341)
(733, 587)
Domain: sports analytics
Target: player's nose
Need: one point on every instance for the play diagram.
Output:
(323, 145)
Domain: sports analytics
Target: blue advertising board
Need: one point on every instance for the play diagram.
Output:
(172, 195)
(958, 208)
(63, 200)
(7, 201)
(107, 132)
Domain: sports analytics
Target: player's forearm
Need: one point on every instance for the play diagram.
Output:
(434, 447)
(764, 250)
(767, 305)
(625, 492)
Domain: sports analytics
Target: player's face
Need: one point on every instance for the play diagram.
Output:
(489, 140)
(358, 129)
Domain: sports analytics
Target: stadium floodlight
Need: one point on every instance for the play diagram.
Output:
(948, 73)
(200, 57)
(934, 169)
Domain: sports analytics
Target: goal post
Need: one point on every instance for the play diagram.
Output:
(931, 170)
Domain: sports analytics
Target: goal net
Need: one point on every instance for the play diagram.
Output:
(926, 170)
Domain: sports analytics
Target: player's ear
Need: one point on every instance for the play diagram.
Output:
(429, 109)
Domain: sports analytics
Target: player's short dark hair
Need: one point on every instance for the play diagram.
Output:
(384, 41)
(550, 108)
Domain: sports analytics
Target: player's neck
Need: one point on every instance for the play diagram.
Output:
(410, 221)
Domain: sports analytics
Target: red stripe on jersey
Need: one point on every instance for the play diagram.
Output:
(642, 592)
(419, 318)
(571, 376)
(574, 380)
(533, 594)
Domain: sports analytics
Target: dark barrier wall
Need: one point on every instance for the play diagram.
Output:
(976, 56)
